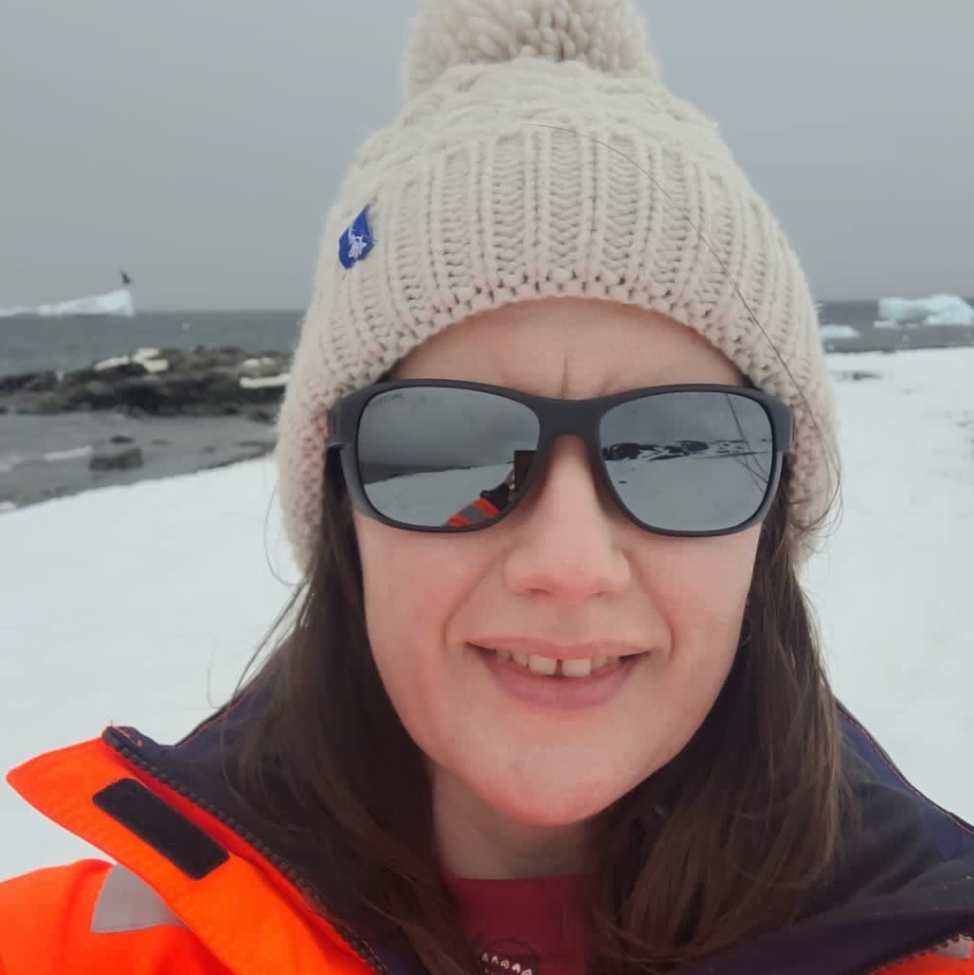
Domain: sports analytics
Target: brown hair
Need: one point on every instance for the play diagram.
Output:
(725, 842)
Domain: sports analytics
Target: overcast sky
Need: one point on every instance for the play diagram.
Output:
(198, 143)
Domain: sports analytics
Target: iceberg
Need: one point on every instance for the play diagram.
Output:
(940, 309)
(16, 310)
(112, 304)
(117, 303)
(830, 331)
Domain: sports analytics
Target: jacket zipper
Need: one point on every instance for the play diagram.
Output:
(361, 947)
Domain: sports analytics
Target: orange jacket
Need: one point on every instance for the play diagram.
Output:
(185, 894)
(146, 915)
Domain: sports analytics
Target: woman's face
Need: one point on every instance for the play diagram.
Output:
(565, 574)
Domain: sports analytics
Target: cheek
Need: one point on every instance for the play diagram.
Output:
(414, 584)
(396, 574)
(703, 583)
(699, 587)
(702, 592)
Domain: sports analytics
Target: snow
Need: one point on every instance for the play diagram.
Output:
(264, 382)
(147, 358)
(894, 590)
(112, 363)
(142, 604)
(937, 310)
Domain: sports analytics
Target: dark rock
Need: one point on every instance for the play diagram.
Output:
(96, 391)
(856, 375)
(121, 438)
(201, 382)
(54, 403)
(28, 382)
(261, 416)
(622, 451)
(117, 460)
(125, 370)
(42, 382)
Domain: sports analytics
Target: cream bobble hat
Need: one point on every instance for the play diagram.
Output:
(539, 154)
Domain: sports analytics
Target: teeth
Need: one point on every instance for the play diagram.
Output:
(550, 666)
(577, 668)
(542, 665)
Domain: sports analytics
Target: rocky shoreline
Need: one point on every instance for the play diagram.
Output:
(153, 413)
(210, 382)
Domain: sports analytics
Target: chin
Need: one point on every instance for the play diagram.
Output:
(549, 806)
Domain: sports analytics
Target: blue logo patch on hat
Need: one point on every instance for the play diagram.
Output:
(357, 241)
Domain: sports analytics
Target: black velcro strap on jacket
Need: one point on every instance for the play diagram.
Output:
(181, 842)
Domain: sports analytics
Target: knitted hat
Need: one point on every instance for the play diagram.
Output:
(538, 154)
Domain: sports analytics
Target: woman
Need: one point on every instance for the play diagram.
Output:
(557, 440)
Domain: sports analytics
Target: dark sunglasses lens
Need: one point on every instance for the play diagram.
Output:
(689, 461)
(443, 457)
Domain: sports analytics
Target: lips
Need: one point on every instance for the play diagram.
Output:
(558, 683)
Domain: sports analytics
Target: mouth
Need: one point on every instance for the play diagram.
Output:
(571, 683)
(573, 669)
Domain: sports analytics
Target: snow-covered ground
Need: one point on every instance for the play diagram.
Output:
(142, 604)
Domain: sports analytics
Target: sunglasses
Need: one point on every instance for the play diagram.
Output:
(446, 456)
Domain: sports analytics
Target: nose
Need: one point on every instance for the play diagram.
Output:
(567, 541)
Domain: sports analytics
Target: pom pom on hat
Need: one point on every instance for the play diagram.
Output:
(607, 35)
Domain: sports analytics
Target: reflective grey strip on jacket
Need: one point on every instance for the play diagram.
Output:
(127, 903)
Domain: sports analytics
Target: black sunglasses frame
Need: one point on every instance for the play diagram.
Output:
(556, 418)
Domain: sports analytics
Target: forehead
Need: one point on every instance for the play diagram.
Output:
(571, 348)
